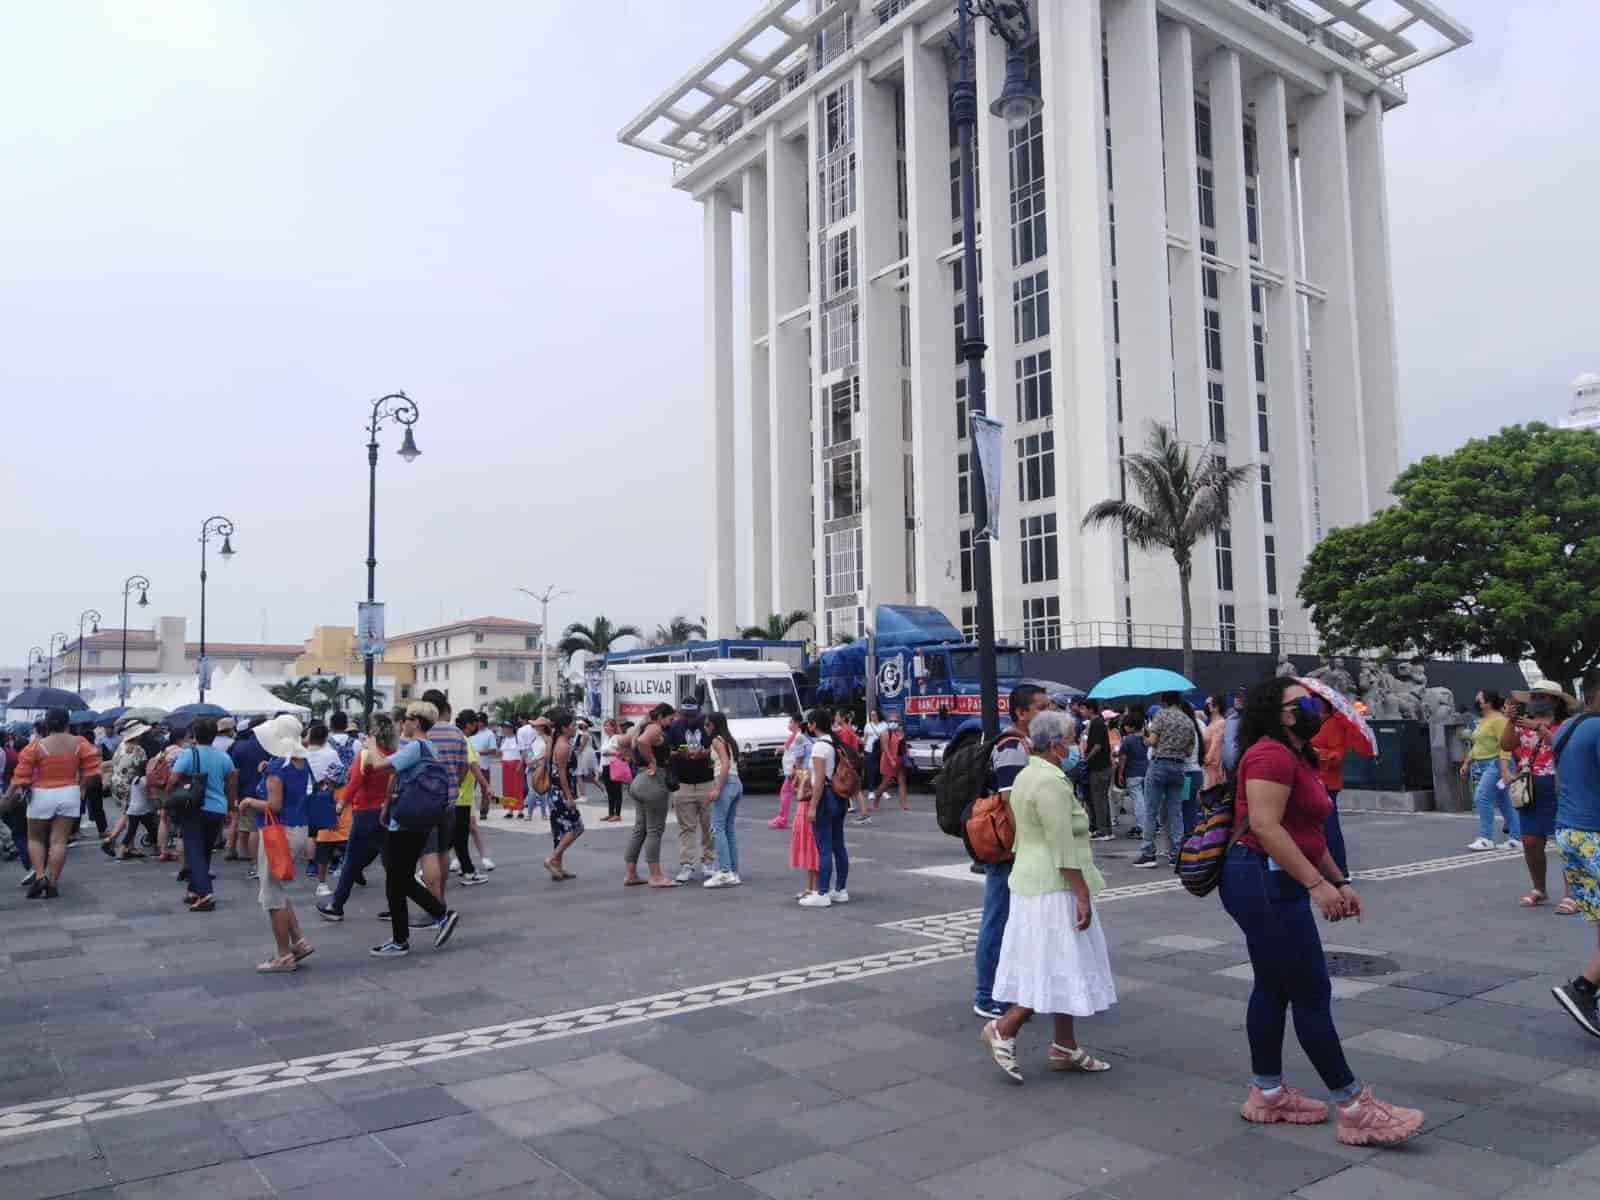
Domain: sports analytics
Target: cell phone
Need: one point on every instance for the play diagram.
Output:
(1540, 707)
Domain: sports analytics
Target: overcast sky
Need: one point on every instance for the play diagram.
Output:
(228, 226)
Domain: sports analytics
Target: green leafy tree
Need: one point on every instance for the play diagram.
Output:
(330, 692)
(777, 626)
(597, 637)
(296, 691)
(679, 629)
(1494, 549)
(509, 710)
(1181, 504)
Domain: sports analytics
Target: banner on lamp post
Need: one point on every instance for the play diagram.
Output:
(986, 443)
(369, 628)
(203, 670)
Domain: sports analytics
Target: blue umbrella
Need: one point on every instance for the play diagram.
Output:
(1139, 681)
(198, 710)
(46, 697)
(110, 715)
(78, 720)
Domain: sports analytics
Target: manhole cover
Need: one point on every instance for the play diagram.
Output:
(1344, 965)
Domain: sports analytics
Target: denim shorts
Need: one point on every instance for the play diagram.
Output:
(1539, 818)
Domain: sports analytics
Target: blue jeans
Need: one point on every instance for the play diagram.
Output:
(829, 830)
(1488, 795)
(200, 831)
(1163, 802)
(1196, 781)
(724, 810)
(1280, 930)
(992, 929)
(542, 799)
(366, 843)
(1333, 833)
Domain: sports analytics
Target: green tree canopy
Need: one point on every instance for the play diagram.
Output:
(777, 625)
(597, 637)
(679, 629)
(525, 704)
(1494, 549)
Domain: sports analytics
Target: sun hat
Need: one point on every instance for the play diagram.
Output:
(1545, 687)
(133, 729)
(280, 737)
(226, 725)
(541, 723)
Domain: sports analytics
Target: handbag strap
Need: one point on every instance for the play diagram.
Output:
(1566, 734)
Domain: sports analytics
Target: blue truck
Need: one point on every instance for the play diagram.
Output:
(927, 679)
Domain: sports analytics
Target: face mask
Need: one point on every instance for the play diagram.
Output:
(1307, 721)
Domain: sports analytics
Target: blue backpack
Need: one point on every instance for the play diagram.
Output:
(423, 794)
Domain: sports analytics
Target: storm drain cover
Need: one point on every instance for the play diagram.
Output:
(1345, 965)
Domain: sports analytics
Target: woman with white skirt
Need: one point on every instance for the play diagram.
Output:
(1053, 957)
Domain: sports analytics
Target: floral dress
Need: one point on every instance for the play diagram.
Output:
(563, 819)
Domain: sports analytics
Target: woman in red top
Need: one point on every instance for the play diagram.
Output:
(1336, 739)
(365, 796)
(1277, 869)
(59, 768)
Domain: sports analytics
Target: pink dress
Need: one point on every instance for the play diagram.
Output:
(802, 839)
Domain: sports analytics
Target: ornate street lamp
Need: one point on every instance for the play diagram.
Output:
(402, 410)
(128, 584)
(50, 660)
(86, 616)
(225, 527)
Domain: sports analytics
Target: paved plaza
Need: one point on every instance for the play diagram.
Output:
(580, 1040)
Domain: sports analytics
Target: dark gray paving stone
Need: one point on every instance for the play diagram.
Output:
(728, 1189)
(1089, 1157)
(56, 1177)
(706, 1019)
(640, 1094)
(748, 1151)
(1272, 1163)
(225, 1181)
(918, 1152)
(412, 1107)
(999, 1178)
(1461, 1169)
(1581, 1114)
(863, 1073)
(1370, 1182)
(301, 1127)
(848, 1121)
(1461, 982)
(342, 1159)
(1526, 1137)
(699, 1062)
(922, 1099)
(827, 1174)
(1163, 1182)
(624, 1170)
(168, 1153)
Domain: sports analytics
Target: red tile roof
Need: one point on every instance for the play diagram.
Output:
(113, 637)
(506, 623)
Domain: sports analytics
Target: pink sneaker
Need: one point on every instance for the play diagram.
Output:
(777, 824)
(1290, 1105)
(1374, 1123)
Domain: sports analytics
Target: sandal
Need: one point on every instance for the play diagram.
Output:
(565, 874)
(204, 904)
(665, 883)
(1002, 1049)
(278, 966)
(555, 871)
(1079, 1060)
(1567, 908)
(302, 950)
(1533, 899)
(634, 882)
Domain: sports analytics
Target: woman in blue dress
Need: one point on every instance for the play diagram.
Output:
(566, 823)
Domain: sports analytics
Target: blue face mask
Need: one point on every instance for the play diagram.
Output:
(1070, 761)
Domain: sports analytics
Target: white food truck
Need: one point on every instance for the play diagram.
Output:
(756, 697)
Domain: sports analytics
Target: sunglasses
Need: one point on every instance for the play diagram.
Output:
(1303, 704)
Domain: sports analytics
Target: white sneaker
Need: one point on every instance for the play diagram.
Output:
(1480, 843)
(488, 864)
(324, 890)
(814, 900)
(839, 896)
(685, 874)
(731, 879)
(1511, 844)
(716, 880)
(455, 867)
(474, 879)
(418, 875)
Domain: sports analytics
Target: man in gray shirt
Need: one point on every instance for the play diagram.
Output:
(1172, 739)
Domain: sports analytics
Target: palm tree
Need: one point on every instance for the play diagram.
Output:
(296, 692)
(777, 626)
(597, 637)
(524, 704)
(1182, 505)
(679, 629)
(330, 692)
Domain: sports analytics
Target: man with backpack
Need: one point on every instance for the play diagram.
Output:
(1096, 770)
(1006, 760)
(1577, 754)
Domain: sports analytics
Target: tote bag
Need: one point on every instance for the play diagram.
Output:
(275, 843)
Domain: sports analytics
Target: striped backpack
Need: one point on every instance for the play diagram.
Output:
(1205, 850)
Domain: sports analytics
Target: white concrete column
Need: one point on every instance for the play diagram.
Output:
(1183, 219)
(1290, 445)
(760, 367)
(1080, 304)
(814, 340)
(1380, 387)
(1142, 286)
(1224, 84)
(933, 371)
(720, 559)
(878, 245)
(789, 386)
(1335, 341)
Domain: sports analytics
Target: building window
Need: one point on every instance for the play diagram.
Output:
(477, 638)
(841, 335)
(510, 670)
(1213, 340)
(530, 643)
(1271, 545)
(1227, 629)
(839, 264)
(1033, 386)
(1218, 411)
(1202, 129)
(1036, 466)
(483, 664)
(961, 408)
(1039, 557)
(1041, 622)
(843, 401)
(1030, 307)
(94, 658)
(969, 622)
(963, 485)
(1209, 283)
(249, 664)
(1261, 421)
(838, 119)
(843, 566)
(482, 691)
(1266, 494)
(1028, 240)
(1260, 337)
(841, 486)
(966, 560)
(447, 670)
(1224, 560)
(1208, 199)
(1274, 632)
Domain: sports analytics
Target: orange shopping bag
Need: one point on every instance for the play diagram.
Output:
(275, 843)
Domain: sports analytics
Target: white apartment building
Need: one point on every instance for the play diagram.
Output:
(475, 662)
(1194, 231)
(1585, 410)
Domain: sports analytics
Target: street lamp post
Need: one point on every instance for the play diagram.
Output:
(50, 661)
(544, 598)
(35, 654)
(211, 525)
(128, 584)
(87, 615)
(401, 409)
(1018, 103)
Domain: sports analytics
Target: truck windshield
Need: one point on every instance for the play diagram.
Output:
(755, 696)
(1008, 664)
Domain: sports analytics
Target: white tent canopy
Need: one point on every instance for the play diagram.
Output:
(236, 690)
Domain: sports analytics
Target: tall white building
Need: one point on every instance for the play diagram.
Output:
(1585, 410)
(1195, 231)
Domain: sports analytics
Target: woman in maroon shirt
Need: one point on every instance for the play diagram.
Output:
(1276, 871)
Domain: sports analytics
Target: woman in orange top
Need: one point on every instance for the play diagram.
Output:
(58, 767)
(1337, 738)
